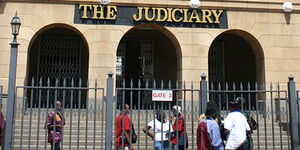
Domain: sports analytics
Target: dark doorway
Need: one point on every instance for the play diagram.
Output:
(60, 56)
(144, 55)
(232, 65)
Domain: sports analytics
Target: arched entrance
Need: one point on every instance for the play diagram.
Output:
(146, 53)
(236, 59)
(58, 53)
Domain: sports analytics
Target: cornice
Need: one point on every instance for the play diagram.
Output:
(234, 5)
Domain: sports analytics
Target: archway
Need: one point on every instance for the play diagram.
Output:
(147, 53)
(236, 61)
(58, 54)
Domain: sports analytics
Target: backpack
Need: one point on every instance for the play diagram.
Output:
(183, 139)
(252, 123)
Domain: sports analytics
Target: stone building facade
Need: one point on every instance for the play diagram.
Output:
(253, 40)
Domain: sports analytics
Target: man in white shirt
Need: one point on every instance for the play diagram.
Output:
(236, 126)
(162, 129)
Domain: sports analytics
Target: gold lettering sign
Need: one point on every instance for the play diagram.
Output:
(177, 15)
(99, 12)
(153, 14)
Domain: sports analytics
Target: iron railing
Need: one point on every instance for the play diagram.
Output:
(83, 128)
(268, 105)
(94, 127)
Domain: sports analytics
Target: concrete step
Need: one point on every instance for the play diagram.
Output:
(141, 147)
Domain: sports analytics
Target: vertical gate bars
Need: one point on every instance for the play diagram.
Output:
(267, 113)
(292, 111)
(31, 131)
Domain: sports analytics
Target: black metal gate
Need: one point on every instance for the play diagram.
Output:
(95, 127)
(60, 62)
(143, 59)
(273, 118)
(81, 129)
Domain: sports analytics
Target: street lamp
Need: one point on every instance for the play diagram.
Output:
(15, 26)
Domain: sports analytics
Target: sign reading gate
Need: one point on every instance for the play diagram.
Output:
(162, 95)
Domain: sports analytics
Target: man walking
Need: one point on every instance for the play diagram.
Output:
(123, 129)
(236, 126)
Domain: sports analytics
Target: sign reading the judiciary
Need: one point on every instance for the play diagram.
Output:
(170, 17)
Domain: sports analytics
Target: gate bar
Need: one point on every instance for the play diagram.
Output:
(109, 112)
(203, 92)
(293, 113)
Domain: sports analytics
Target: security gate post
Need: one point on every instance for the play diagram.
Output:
(203, 94)
(293, 113)
(11, 95)
(109, 112)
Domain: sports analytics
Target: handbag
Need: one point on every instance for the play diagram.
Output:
(252, 123)
(183, 139)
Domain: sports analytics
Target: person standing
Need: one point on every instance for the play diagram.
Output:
(162, 129)
(123, 129)
(236, 126)
(178, 127)
(2, 129)
(213, 128)
(55, 122)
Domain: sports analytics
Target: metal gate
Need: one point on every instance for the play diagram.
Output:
(95, 126)
(276, 118)
(59, 59)
(144, 72)
(84, 127)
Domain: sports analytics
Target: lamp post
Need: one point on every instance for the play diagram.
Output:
(15, 25)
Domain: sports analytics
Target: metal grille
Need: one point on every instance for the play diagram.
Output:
(273, 131)
(146, 60)
(59, 58)
(59, 63)
(217, 70)
(85, 128)
(217, 62)
(147, 53)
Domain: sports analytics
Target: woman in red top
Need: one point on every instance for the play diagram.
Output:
(181, 140)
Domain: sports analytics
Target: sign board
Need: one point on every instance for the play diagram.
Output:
(164, 16)
(162, 95)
